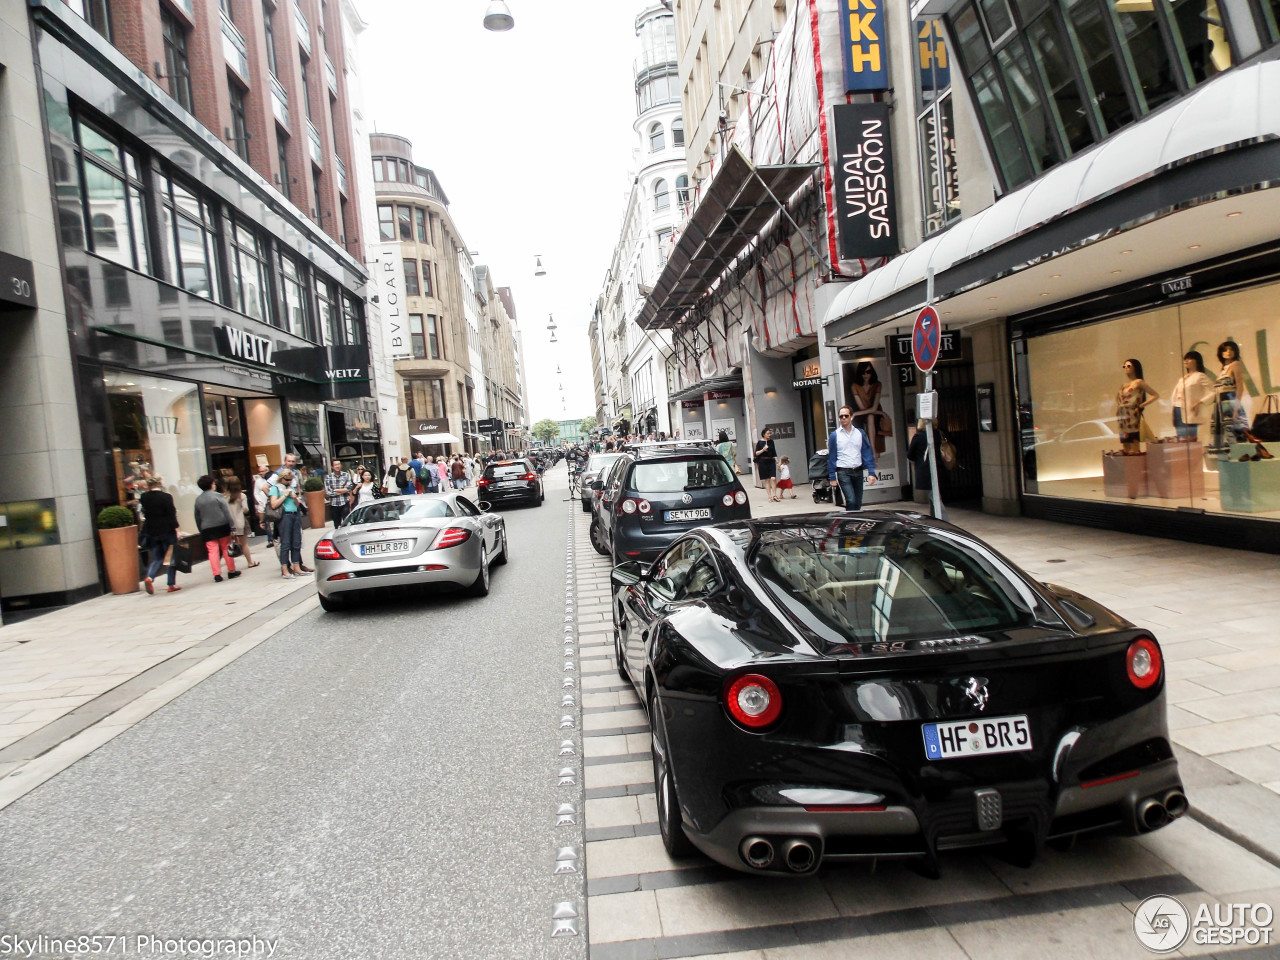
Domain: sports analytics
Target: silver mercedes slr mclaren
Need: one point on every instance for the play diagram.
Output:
(431, 540)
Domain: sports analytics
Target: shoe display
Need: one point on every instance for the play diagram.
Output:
(1263, 453)
(151, 587)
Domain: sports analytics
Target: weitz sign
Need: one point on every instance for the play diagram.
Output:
(865, 208)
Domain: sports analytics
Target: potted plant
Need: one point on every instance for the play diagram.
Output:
(313, 489)
(118, 533)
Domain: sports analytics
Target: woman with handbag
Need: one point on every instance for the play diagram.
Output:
(284, 504)
(766, 456)
(160, 529)
(238, 504)
(213, 520)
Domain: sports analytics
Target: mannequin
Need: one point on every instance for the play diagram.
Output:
(1230, 423)
(1192, 397)
(1134, 397)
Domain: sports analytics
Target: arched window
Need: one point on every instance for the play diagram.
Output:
(661, 198)
(677, 132)
(682, 189)
(104, 231)
(657, 138)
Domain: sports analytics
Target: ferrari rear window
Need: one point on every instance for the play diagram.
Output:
(860, 582)
(408, 509)
(678, 476)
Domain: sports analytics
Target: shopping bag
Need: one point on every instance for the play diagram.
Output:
(1266, 422)
(180, 559)
(947, 451)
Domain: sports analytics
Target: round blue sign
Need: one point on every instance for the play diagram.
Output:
(926, 339)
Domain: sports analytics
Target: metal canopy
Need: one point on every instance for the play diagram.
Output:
(703, 386)
(739, 202)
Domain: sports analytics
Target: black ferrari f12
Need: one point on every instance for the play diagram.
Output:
(880, 685)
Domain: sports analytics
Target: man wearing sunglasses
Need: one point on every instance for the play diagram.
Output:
(850, 459)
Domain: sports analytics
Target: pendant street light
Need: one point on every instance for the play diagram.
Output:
(539, 269)
(498, 18)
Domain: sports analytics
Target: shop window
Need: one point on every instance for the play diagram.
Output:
(1206, 368)
(411, 288)
(156, 430)
(250, 283)
(189, 235)
(111, 200)
(293, 296)
(386, 222)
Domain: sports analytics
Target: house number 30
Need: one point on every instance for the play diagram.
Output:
(21, 288)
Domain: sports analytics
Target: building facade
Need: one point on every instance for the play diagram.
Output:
(214, 310)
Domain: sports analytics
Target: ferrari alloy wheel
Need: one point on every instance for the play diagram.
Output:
(669, 820)
(597, 540)
(504, 554)
(480, 588)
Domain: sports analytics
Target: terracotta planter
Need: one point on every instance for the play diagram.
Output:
(316, 508)
(120, 555)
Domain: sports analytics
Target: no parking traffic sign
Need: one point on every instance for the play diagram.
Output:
(926, 339)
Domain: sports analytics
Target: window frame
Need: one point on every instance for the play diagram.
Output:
(209, 225)
(411, 286)
(177, 58)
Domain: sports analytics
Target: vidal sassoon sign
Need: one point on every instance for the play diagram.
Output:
(866, 212)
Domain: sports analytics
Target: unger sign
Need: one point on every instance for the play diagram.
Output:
(866, 214)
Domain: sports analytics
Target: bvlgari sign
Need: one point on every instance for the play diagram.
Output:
(866, 212)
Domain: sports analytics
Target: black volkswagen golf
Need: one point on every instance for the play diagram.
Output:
(655, 493)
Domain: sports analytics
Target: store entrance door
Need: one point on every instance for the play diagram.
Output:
(958, 420)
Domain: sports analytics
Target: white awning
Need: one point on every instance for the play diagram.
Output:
(1234, 111)
(428, 439)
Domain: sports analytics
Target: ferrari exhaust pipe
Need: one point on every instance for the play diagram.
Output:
(1152, 814)
(1176, 804)
(757, 852)
(799, 855)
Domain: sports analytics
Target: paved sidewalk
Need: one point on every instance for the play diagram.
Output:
(1216, 613)
(73, 678)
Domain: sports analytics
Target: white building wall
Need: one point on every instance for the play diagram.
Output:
(471, 313)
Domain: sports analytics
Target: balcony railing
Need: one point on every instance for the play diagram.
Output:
(304, 29)
(234, 48)
(342, 174)
(279, 102)
(314, 136)
(330, 73)
(663, 53)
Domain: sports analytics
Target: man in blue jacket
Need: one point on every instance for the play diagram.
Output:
(850, 459)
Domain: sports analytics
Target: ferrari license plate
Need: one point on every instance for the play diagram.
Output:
(387, 546)
(976, 738)
(674, 516)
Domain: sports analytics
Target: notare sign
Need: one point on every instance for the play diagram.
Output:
(866, 214)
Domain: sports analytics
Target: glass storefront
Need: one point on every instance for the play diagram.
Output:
(156, 430)
(1166, 408)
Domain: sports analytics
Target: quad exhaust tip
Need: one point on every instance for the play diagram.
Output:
(1176, 804)
(757, 852)
(1152, 814)
(799, 855)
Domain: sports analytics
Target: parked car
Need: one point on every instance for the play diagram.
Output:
(828, 688)
(594, 469)
(511, 481)
(653, 493)
(427, 541)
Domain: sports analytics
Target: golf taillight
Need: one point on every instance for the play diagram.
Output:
(325, 550)
(754, 701)
(727, 499)
(450, 537)
(1143, 662)
(630, 505)
(644, 506)
(740, 497)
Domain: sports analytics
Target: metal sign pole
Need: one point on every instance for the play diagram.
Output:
(936, 492)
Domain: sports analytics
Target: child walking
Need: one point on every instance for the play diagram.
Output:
(785, 485)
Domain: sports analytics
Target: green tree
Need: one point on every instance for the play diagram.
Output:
(588, 424)
(546, 430)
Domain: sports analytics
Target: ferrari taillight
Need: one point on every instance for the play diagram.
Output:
(1143, 662)
(325, 550)
(450, 537)
(754, 701)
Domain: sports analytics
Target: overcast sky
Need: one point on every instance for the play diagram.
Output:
(530, 133)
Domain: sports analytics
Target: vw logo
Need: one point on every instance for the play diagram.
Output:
(976, 691)
(686, 499)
